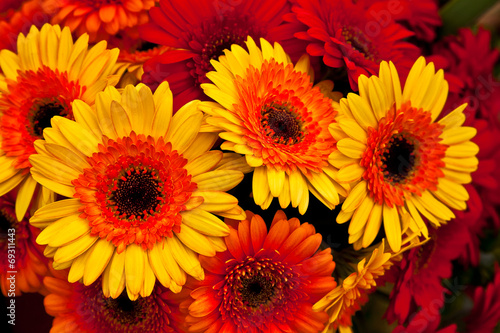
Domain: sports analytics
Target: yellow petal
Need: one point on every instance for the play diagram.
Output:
(275, 178)
(186, 258)
(260, 185)
(203, 163)
(24, 196)
(392, 227)
(97, 261)
(350, 173)
(354, 199)
(135, 258)
(195, 241)
(205, 222)
(75, 249)
(157, 266)
(351, 148)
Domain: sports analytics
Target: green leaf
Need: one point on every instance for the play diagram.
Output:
(462, 13)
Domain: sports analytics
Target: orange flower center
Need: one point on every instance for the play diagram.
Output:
(403, 155)
(32, 100)
(134, 191)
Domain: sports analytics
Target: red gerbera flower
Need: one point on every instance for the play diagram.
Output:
(419, 274)
(346, 36)
(485, 314)
(470, 60)
(200, 31)
(19, 254)
(421, 17)
(265, 281)
(426, 320)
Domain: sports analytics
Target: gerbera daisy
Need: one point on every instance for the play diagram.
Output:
(20, 255)
(422, 269)
(270, 112)
(85, 309)
(352, 292)
(265, 281)
(41, 81)
(485, 314)
(144, 188)
(405, 164)
(199, 32)
(18, 18)
(470, 59)
(421, 17)
(345, 36)
(97, 18)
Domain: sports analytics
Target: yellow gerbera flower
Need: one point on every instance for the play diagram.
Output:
(41, 81)
(352, 292)
(405, 164)
(270, 112)
(144, 188)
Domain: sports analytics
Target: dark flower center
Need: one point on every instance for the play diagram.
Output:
(42, 112)
(125, 310)
(359, 42)
(137, 194)
(281, 124)
(6, 222)
(256, 290)
(217, 36)
(399, 158)
(97, 313)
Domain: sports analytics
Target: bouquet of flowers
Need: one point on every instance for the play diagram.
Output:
(250, 165)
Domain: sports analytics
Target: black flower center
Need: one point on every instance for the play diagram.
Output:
(42, 112)
(399, 158)
(256, 290)
(137, 194)
(125, 310)
(281, 124)
(6, 221)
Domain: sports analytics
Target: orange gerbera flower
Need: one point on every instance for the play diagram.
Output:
(19, 20)
(270, 112)
(85, 309)
(264, 282)
(100, 19)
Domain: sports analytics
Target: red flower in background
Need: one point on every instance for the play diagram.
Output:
(200, 30)
(468, 59)
(265, 281)
(29, 262)
(100, 19)
(345, 36)
(418, 276)
(485, 314)
(421, 17)
(17, 17)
